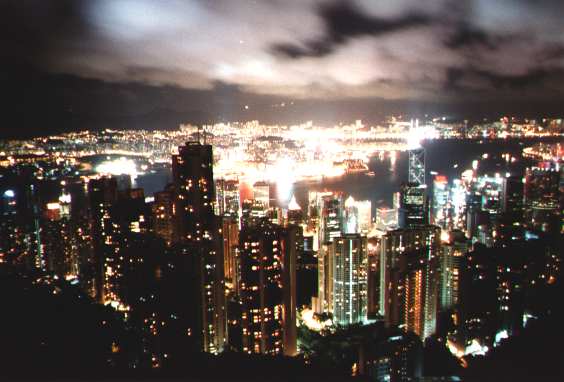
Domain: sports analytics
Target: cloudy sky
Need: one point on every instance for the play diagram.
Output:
(76, 62)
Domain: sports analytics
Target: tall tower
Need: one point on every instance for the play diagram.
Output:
(200, 230)
(349, 279)
(268, 288)
(416, 155)
(417, 165)
(409, 279)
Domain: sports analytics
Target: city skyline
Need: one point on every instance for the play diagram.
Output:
(336, 190)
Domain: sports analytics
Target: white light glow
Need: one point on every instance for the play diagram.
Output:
(118, 167)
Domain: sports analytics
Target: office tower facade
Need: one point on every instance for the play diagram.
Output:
(409, 279)
(295, 214)
(412, 206)
(451, 257)
(364, 208)
(417, 166)
(350, 278)
(350, 217)
(331, 222)
(440, 201)
(373, 275)
(163, 215)
(267, 289)
(330, 209)
(252, 212)
(386, 218)
(261, 193)
(228, 200)
(542, 199)
(199, 228)
(512, 195)
(102, 195)
(230, 233)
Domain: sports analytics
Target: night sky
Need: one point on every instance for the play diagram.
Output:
(152, 64)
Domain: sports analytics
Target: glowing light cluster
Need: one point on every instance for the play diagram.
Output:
(120, 166)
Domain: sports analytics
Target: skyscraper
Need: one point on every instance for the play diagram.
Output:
(330, 226)
(409, 279)
(350, 262)
(199, 228)
(440, 201)
(267, 288)
(163, 213)
(102, 195)
(543, 205)
(412, 206)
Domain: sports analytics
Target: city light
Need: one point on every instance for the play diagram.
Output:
(120, 166)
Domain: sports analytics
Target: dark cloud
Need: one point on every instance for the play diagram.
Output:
(539, 79)
(35, 31)
(553, 52)
(466, 36)
(344, 21)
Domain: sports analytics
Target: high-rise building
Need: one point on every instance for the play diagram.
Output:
(512, 198)
(331, 222)
(102, 195)
(450, 259)
(543, 209)
(198, 227)
(357, 216)
(261, 193)
(330, 226)
(295, 213)
(252, 211)
(350, 262)
(350, 216)
(230, 233)
(163, 214)
(409, 279)
(440, 201)
(417, 166)
(386, 218)
(267, 288)
(413, 206)
(373, 276)
(228, 201)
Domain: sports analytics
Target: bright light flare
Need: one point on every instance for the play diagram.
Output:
(119, 166)
(310, 320)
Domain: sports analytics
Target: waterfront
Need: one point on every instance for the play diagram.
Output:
(445, 157)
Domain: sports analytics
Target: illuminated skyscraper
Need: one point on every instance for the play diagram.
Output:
(512, 198)
(332, 222)
(230, 233)
(350, 216)
(267, 288)
(413, 206)
(417, 166)
(261, 193)
(350, 262)
(451, 259)
(102, 195)
(163, 212)
(543, 203)
(331, 225)
(199, 228)
(228, 201)
(386, 218)
(295, 213)
(409, 279)
(440, 201)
